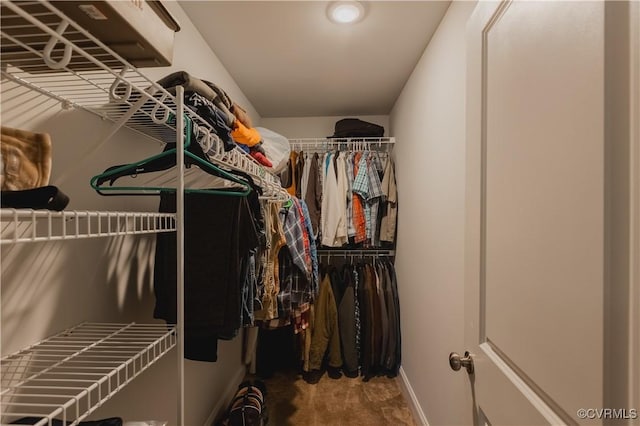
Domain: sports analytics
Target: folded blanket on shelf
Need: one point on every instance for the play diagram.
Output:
(26, 159)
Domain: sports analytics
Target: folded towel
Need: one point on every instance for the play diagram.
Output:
(26, 159)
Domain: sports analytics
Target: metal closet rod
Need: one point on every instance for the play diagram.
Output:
(356, 253)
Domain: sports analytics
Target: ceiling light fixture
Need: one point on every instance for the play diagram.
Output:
(345, 12)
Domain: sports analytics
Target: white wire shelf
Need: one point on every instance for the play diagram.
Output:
(69, 375)
(326, 144)
(25, 225)
(46, 51)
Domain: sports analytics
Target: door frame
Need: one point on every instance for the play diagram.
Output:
(622, 193)
(622, 216)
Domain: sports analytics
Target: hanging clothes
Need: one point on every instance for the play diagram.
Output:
(289, 177)
(220, 233)
(268, 282)
(295, 270)
(334, 202)
(348, 324)
(325, 335)
(330, 219)
(299, 171)
(390, 205)
(368, 320)
(358, 193)
(359, 219)
(313, 194)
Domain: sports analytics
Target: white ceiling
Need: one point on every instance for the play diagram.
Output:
(291, 61)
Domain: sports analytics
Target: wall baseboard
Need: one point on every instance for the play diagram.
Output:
(407, 390)
(227, 395)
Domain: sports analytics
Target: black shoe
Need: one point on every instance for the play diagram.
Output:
(334, 372)
(313, 376)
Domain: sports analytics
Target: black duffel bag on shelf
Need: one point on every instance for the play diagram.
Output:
(356, 128)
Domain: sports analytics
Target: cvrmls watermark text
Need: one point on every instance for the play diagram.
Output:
(608, 413)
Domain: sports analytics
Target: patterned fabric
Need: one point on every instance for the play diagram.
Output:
(359, 220)
(313, 249)
(295, 289)
(248, 289)
(367, 185)
(275, 323)
(351, 229)
(356, 285)
(215, 117)
(271, 285)
(294, 234)
(305, 237)
(361, 187)
(361, 180)
(375, 186)
(301, 318)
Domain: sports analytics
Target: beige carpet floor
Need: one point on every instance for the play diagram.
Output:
(335, 402)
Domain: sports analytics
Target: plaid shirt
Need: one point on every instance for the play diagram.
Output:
(306, 239)
(294, 264)
(359, 220)
(351, 229)
(295, 235)
(313, 249)
(295, 289)
(361, 180)
(301, 318)
(367, 185)
(361, 186)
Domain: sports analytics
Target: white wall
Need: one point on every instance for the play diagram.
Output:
(428, 121)
(315, 127)
(52, 286)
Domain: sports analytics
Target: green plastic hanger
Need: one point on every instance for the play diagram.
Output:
(145, 190)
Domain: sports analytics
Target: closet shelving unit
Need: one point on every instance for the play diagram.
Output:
(69, 375)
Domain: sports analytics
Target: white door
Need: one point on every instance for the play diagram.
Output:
(544, 168)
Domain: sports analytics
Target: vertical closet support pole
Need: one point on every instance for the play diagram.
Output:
(180, 246)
